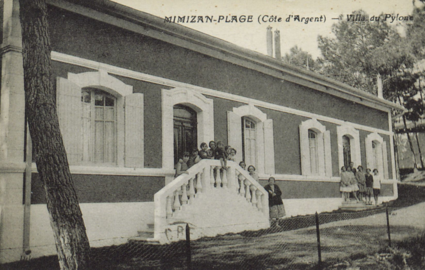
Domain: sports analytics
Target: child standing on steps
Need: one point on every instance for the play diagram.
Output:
(376, 185)
(369, 186)
(344, 185)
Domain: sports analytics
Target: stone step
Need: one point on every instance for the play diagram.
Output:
(354, 206)
(145, 234)
(144, 240)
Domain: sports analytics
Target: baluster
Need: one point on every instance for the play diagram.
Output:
(259, 200)
(199, 183)
(218, 177)
(191, 192)
(176, 205)
(205, 179)
(184, 195)
(224, 179)
(248, 192)
(231, 178)
(254, 196)
(169, 208)
(212, 177)
(265, 203)
(242, 189)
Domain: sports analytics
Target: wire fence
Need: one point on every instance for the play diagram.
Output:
(304, 242)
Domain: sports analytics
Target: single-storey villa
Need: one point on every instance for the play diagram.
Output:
(135, 91)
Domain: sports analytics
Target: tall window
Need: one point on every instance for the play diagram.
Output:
(249, 141)
(98, 134)
(314, 159)
(346, 150)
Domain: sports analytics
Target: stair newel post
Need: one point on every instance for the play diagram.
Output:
(184, 195)
(176, 205)
(248, 191)
(254, 196)
(242, 190)
(199, 184)
(191, 190)
(212, 178)
(259, 200)
(169, 208)
(218, 177)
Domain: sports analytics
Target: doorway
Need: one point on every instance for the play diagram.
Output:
(185, 131)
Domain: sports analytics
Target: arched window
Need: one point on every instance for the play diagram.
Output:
(348, 145)
(253, 139)
(376, 154)
(315, 147)
(249, 142)
(98, 126)
(101, 120)
(346, 150)
(314, 158)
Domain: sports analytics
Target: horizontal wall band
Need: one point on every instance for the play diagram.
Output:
(103, 170)
(313, 178)
(12, 167)
(73, 60)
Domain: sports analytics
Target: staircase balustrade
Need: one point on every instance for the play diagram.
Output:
(205, 176)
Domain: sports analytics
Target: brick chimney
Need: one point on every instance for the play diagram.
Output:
(278, 54)
(269, 41)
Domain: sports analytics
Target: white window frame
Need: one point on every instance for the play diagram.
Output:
(264, 136)
(371, 159)
(205, 117)
(103, 81)
(354, 136)
(323, 148)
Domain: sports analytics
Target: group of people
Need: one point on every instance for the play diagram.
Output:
(216, 150)
(361, 185)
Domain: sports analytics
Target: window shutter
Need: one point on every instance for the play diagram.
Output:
(370, 163)
(134, 140)
(385, 160)
(328, 155)
(68, 102)
(234, 133)
(269, 166)
(305, 151)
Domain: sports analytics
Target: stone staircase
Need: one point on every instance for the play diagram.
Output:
(211, 201)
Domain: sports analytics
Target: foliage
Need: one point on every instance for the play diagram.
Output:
(299, 58)
(361, 50)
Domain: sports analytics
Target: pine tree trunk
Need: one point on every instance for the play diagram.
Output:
(415, 166)
(419, 147)
(65, 215)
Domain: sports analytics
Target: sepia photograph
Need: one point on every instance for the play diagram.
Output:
(284, 134)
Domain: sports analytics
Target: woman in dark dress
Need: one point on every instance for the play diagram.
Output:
(276, 208)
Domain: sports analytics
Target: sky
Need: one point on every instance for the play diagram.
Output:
(252, 35)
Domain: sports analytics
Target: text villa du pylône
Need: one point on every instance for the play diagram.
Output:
(186, 19)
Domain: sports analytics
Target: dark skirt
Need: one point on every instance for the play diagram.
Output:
(277, 211)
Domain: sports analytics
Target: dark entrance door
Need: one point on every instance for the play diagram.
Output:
(185, 135)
